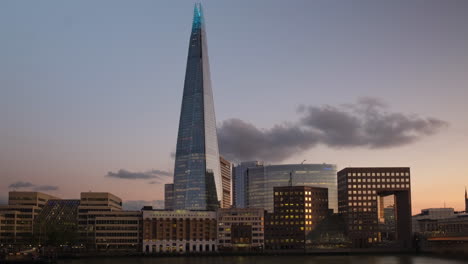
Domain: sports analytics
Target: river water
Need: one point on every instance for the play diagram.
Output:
(357, 259)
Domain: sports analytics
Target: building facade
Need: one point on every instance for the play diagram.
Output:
(169, 196)
(297, 211)
(92, 204)
(240, 182)
(19, 215)
(118, 231)
(226, 175)
(426, 221)
(241, 229)
(376, 205)
(57, 217)
(197, 174)
(262, 180)
(179, 231)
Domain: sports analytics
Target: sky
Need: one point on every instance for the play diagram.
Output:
(90, 91)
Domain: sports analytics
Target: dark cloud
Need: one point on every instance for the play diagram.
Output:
(46, 188)
(20, 184)
(32, 186)
(138, 204)
(173, 155)
(366, 123)
(152, 174)
(154, 182)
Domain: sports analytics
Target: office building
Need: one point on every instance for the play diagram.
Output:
(426, 221)
(240, 182)
(197, 174)
(169, 196)
(92, 204)
(297, 211)
(19, 215)
(179, 231)
(118, 231)
(241, 229)
(376, 205)
(262, 180)
(226, 175)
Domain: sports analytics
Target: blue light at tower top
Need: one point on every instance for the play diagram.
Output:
(197, 16)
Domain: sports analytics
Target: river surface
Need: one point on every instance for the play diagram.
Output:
(358, 259)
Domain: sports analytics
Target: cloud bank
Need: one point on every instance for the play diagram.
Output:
(32, 186)
(366, 123)
(152, 174)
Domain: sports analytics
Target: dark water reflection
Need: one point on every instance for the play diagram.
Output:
(268, 260)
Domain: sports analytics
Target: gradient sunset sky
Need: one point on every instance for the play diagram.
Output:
(88, 88)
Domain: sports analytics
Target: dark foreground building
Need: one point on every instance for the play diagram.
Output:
(297, 211)
(376, 205)
(197, 175)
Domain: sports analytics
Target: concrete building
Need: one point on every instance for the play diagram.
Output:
(262, 180)
(375, 201)
(178, 231)
(169, 196)
(92, 204)
(118, 231)
(19, 214)
(426, 221)
(297, 211)
(226, 175)
(241, 229)
(240, 182)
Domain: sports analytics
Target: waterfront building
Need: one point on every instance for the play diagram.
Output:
(118, 231)
(197, 174)
(426, 221)
(376, 205)
(297, 211)
(19, 216)
(57, 217)
(226, 175)
(169, 196)
(178, 231)
(240, 182)
(91, 205)
(262, 180)
(241, 229)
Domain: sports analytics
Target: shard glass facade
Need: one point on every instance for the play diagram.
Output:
(197, 175)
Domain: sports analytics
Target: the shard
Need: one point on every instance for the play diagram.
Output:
(197, 174)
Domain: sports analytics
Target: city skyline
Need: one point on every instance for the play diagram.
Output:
(102, 115)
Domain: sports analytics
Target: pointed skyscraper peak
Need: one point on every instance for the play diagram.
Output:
(197, 172)
(197, 16)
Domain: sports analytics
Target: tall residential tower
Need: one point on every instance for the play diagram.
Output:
(197, 174)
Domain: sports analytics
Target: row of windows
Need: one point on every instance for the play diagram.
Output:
(381, 180)
(378, 174)
(378, 186)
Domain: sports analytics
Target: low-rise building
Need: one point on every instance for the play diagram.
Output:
(178, 231)
(241, 229)
(93, 204)
(297, 211)
(118, 230)
(426, 221)
(19, 215)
